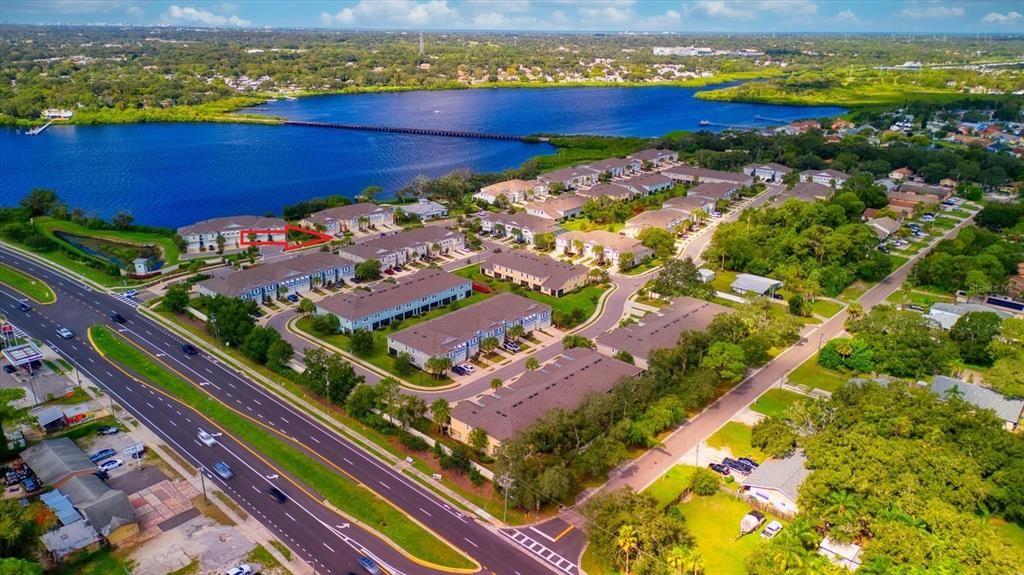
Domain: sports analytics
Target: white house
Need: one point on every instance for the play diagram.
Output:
(514, 191)
(602, 245)
(202, 236)
(833, 178)
(777, 482)
(769, 172)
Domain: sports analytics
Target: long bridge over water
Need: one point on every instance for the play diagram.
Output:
(417, 131)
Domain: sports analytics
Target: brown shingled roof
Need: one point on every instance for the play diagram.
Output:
(661, 330)
(553, 273)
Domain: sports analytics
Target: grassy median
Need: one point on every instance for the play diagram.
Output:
(345, 494)
(26, 284)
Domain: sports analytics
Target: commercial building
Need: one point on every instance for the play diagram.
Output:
(560, 384)
(202, 236)
(457, 335)
(424, 209)
(769, 172)
(660, 330)
(647, 184)
(618, 192)
(514, 191)
(750, 283)
(1007, 410)
(833, 178)
(694, 174)
(296, 274)
(520, 226)
(387, 302)
(668, 219)
(655, 157)
(602, 246)
(777, 482)
(398, 249)
(540, 273)
(350, 219)
(558, 208)
(809, 192)
(570, 178)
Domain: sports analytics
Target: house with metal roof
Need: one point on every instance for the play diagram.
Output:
(758, 285)
(777, 482)
(945, 315)
(1008, 410)
(71, 538)
(560, 384)
(51, 418)
(846, 555)
(55, 461)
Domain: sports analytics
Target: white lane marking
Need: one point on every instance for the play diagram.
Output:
(289, 515)
(386, 486)
(314, 439)
(328, 548)
(150, 405)
(425, 512)
(348, 461)
(470, 542)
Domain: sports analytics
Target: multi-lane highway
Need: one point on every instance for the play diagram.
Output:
(326, 539)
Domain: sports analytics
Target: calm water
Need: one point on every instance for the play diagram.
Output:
(174, 174)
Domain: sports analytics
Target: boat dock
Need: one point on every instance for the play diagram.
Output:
(707, 123)
(773, 120)
(38, 130)
(417, 131)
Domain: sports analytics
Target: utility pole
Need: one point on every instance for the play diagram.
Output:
(202, 481)
(506, 482)
(216, 332)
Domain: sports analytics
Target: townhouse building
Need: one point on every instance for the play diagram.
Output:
(396, 250)
(388, 302)
(602, 246)
(617, 167)
(695, 175)
(647, 184)
(655, 157)
(570, 178)
(202, 236)
(770, 172)
(521, 226)
(513, 191)
(832, 178)
(350, 218)
(296, 274)
(558, 208)
(457, 335)
(668, 219)
(617, 191)
(541, 273)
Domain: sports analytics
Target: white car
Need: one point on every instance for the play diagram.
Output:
(65, 333)
(469, 368)
(131, 293)
(207, 439)
(111, 464)
(242, 569)
(771, 530)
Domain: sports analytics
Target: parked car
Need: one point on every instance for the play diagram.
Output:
(915, 307)
(771, 530)
(103, 475)
(243, 569)
(24, 306)
(458, 370)
(111, 464)
(884, 249)
(292, 298)
(35, 364)
(117, 317)
(30, 484)
(719, 468)
(737, 466)
(109, 430)
(131, 293)
(102, 454)
(512, 346)
(777, 296)
(748, 461)
(8, 368)
(468, 368)
(65, 333)
(277, 494)
(190, 349)
(222, 469)
(207, 439)
(370, 565)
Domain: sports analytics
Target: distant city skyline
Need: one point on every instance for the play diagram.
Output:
(694, 16)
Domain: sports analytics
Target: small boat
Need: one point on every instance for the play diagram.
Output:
(437, 111)
(704, 123)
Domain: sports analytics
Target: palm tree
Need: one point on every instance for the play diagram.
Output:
(855, 311)
(438, 365)
(307, 306)
(488, 344)
(515, 332)
(532, 363)
(627, 543)
(676, 559)
(496, 384)
(843, 511)
(844, 349)
(440, 411)
(577, 247)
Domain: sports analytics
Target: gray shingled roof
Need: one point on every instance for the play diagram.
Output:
(661, 330)
(236, 283)
(786, 475)
(231, 223)
(106, 508)
(535, 224)
(53, 460)
(553, 274)
(1008, 410)
(404, 240)
(346, 213)
(357, 304)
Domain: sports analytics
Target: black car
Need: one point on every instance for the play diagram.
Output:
(737, 466)
(277, 494)
(458, 370)
(117, 317)
(777, 296)
(748, 461)
(8, 368)
(24, 306)
(719, 468)
(35, 364)
(190, 349)
(915, 307)
(103, 475)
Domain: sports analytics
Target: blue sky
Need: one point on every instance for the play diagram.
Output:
(923, 16)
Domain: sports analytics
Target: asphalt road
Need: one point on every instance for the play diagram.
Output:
(306, 525)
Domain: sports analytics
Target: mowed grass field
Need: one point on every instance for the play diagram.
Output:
(34, 288)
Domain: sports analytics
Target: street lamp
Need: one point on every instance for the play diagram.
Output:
(216, 331)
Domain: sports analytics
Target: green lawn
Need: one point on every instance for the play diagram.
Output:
(714, 522)
(898, 261)
(166, 243)
(826, 308)
(735, 437)
(585, 225)
(1013, 533)
(814, 376)
(921, 298)
(723, 280)
(379, 358)
(101, 562)
(775, 401)
(585, 299)
(642, 268)
(671, 485)
(342, 492)
(853, 291)
(26, 284)
(87, 429)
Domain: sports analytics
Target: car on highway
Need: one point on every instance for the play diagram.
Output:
(24, 306)
(370, 565)
(111, 464)
(277, 494)
(117, 317)
(719, 468)
(207, 439)
(108, 430)
(190, 349)
(222, 469)
(65, 333)
(102, 454)
(242, 569)
(771, 530)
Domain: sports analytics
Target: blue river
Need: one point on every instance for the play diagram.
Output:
(174, 174)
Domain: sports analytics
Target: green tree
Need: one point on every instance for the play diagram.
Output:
(362, 401)
(7, 411)
(122, 220)
(403, 363)
(410, 410)
(279, 354)
(40, 201)
(363, 342)
(974, 333)
(439, 365)
(496, 384)
(307, 307)
(627, 543)
(15, 566)
(726, 360)
(532, 363)
(626, 261)
(176, 299)
(257, 343)
(19, 530)
(544, 241)
(704, 481)
(571, 341)
(478, 439)
(680, 278)
(368, 270)
(774, 437)
(440, 411)
(230, 319)
(326, 323)
(515, 332)
(661, 241)
(488, 344)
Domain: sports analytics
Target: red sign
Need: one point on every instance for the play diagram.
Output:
(8, 328)
(318, 237)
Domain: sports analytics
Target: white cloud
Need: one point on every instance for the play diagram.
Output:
(845, 17)
(134, 11)
(188, 15)
(932, 10)
(1008, 18)
(750, 9)
(395, 12)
